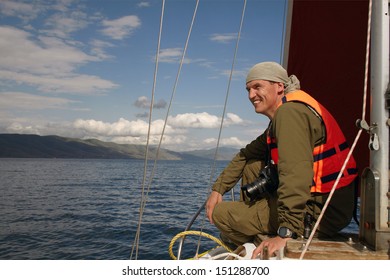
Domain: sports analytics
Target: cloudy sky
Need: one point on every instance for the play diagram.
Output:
(85, 69)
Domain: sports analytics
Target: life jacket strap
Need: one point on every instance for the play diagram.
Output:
(333, 176)
(330, 152)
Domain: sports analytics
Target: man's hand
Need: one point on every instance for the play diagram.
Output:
(214, 199)
(273, 244)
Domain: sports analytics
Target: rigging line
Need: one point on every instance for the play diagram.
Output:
(355, 141)
(172, 96)
(143, 196)
(281, 55)
(330, 194)
(224, 111)
(367, 59)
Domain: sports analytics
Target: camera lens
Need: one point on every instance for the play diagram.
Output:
(256, 189)
(267, 182)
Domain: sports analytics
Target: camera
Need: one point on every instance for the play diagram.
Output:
(267, 182)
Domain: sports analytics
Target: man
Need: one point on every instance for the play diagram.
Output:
(306, 147)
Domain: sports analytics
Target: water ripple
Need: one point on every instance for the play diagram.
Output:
(88, 209)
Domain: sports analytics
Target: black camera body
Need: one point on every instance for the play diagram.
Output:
(267, 182)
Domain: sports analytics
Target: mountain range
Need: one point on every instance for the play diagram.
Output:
(36, 146)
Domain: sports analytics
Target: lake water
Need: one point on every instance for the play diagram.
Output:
(89, 209)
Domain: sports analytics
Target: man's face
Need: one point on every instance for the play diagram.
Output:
(265, 96)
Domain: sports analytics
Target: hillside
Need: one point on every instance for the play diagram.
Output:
(224, 153)
(35, 146)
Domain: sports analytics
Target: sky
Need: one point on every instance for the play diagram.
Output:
(86, 69)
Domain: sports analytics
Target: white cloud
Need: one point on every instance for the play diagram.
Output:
(237, 74)
(168, 141)
(223, 38)
(62, 5)
(202, 120)
(48, 63)
(98, 48)
(25, 11)
(170, 55)
(177, 125)
(176, 137)
(17, 127)
(194, 120)
(232, 119)
(20, 100)
(231, 142)
(122, 131)
(174, 55)
(62, 12)
(122, 127)
(46, 55)
(143, 4)
(62, 24)
(122, 27)
(73, 84)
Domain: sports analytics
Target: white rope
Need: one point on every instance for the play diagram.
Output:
(355, 141)
(151, 177)
(174, 88)
(330, 195)
(367, 60)
(224, 112)
(230, 81)
(226, 255)
(281, 54)
(144, 195)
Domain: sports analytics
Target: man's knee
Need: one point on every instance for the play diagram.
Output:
(232, 214)
(219, 214)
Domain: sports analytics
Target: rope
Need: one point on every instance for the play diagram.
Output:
(355, 141)
(330, 195)
(196, 233)
(151, 177)
(174, 88)
(224, 108)
(281, 55)
(144, 194)
(367, 60)
(218, 257)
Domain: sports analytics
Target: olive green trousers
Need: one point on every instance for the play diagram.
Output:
(241, 221)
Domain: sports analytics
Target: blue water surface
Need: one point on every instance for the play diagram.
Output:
(75, 209)
(89, 209)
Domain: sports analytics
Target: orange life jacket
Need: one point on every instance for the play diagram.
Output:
(329, 156)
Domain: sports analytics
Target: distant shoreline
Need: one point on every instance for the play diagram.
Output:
(36, 146)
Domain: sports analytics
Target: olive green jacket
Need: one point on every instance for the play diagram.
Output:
(297, 130)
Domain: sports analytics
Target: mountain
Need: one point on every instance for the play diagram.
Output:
(35, 146)
(224, 153)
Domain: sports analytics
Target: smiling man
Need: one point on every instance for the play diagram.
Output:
(288, 171)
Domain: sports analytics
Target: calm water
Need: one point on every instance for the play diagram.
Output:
(89, 209)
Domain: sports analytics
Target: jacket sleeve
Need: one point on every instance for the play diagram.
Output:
(296, 130)
(233, 171)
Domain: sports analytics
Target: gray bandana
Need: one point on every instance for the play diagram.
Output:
(274, 72)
